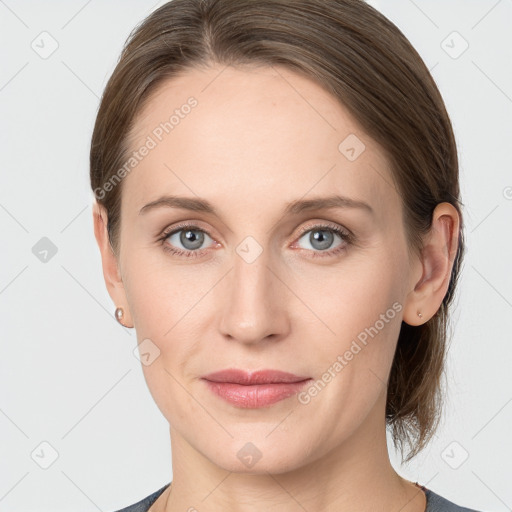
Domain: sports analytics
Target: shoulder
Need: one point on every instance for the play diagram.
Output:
(144, 504)
(436, 503)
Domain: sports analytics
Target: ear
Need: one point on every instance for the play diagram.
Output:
(434, 266)
(110, 264)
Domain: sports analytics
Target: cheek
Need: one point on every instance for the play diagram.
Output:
(169, 304)
(157, 290)
(352, 366)
(165, 306)
(361, 315)
(351, 296)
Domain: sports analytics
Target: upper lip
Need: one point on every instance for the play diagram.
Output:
(238, 376)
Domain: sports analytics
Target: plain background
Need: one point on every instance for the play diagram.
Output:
(72, 393)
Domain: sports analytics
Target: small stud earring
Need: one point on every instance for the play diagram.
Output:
(119, 315)
(420, 315)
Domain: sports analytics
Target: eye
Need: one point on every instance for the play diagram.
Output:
(320, 239)
(185, 240)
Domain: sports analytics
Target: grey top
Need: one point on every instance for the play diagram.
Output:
(435, 503)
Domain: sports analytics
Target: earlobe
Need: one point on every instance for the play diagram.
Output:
(110, 266)
(436, 261)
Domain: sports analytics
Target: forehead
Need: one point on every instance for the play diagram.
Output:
(252, 133)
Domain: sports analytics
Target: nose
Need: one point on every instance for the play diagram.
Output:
(254, 302)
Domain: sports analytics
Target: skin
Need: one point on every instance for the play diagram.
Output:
(258, 139)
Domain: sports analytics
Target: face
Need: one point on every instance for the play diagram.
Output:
(260, 280)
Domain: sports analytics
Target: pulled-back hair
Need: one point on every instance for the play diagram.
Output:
(363, 60)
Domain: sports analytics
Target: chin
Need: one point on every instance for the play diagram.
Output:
(259, 454)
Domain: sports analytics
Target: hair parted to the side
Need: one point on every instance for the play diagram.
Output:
(364, 61)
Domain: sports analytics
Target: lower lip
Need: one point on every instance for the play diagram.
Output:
(257, 395)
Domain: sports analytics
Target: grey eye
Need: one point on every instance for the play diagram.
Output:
(320, 239)
(191, 239)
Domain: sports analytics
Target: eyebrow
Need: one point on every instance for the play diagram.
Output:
(293, 208)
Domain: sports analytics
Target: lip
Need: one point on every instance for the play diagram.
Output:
(254, 389)
(237, 376)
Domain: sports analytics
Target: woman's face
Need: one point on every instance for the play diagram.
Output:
(261, 284)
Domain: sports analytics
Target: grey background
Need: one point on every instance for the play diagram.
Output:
(68, 375)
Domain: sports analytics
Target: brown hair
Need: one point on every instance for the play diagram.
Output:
(364, 61)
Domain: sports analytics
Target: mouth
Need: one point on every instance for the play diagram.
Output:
(254, 389)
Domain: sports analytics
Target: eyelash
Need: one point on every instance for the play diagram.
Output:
(346, 237)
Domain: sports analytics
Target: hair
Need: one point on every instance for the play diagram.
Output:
(362, 59)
